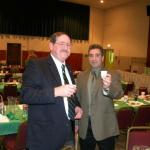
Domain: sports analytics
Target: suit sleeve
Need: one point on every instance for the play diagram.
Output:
(115, 90)
(33, 91)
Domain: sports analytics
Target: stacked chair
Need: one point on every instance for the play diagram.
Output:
(138, 138)
(142, 116)
(10, 90)
(138, 135)
(125, 118)
(135, 124)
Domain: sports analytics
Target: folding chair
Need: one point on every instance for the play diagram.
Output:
(142, 117)
(72, 147)
(138, 138)
(68, 147)
(129, 88)
(16, 141)
(7, 77)
(125, 117)
(143, 89)
(10, 90)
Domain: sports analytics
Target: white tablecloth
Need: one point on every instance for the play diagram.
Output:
(140, 80)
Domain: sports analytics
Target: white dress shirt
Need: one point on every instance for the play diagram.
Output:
(59, 68)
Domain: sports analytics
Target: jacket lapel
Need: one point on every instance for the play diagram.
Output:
(53, 70)
(85, 86)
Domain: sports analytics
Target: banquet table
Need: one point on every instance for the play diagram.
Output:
(2, 75)
(2, 84)
(20, 115)
(130, 102)
(15, 119)
(140, 80)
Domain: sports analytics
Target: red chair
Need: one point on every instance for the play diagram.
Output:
(138, 138)
(129, 88)
(10, 90)
(16, 141)
(125, 117)
(142, 116)
(7, 77)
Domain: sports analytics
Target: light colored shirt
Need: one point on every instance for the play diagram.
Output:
(59, 68)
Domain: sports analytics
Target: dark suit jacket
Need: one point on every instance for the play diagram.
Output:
(48, 123)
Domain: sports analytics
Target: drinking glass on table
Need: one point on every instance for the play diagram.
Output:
(136, 94)
(1, 105)
(11, 104)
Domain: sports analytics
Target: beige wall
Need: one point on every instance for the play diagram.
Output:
(27, 42)
(124, 27)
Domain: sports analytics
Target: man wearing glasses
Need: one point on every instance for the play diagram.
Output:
(48, 94)
(97, 87)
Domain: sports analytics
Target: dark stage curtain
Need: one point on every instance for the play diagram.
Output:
(42, 18)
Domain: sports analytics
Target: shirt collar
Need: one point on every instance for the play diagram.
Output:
(57, 62)
(96, 71)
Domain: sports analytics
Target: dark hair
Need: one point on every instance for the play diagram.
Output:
(55, 35)
(96, 46)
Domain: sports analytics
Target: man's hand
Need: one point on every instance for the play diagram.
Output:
(106, 81)
(78, 112)
(66, 90)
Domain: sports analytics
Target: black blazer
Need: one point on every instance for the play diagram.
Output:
(47, 118)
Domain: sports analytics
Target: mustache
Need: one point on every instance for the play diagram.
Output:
(64, 50)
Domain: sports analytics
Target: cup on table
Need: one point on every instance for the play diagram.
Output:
(143, 93)
(1, 105)
(126, 98)
(103, 74)
(25, 107)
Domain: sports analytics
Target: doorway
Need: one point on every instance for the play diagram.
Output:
(13, 54)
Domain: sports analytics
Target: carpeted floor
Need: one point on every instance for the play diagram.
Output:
(121, 142)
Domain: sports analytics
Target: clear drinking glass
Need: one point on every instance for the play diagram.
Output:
(136, 94)
(1, 105)
(11, 104)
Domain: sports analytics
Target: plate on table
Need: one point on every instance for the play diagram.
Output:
(3, 119)
(12, 83)
(116, 105)
(145, 98)
(142, 96)
(135, 103)
(124, 98)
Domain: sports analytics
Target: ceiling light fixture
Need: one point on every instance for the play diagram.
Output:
(108, 45)
(101, 1)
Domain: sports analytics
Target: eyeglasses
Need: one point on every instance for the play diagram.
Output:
(64, 44)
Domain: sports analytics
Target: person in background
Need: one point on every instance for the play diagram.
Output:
(31, 55)
(47, 96)
(98, 124)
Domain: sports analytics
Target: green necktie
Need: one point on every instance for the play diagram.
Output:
(94, 78)
(92, 81)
